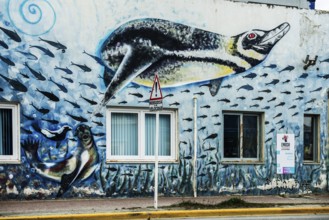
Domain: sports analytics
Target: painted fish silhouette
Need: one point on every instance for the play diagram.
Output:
(6, 60)
(323, 76)
(46, 51)
(28, 55)
(17, 85)
(41, 110)
(12, 34)
(88, 100)
(271, 66)
(324, 61)
(57, 45)
(246, 87)
(52, 121)
(49, 95)
(273, 82)
(67, 79)
(3, 44)
(139, 48)
(90, 85)
(266, 90)
(96, 58)
(316, 90)
(250, 76)
(36, 74)
(304, 76)
(60, 86)
(212, 136)
(84, 67)
(287, 68)
(66, 70)
(75, 105)
(77, 118)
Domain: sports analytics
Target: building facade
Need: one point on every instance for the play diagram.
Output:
(243, 86)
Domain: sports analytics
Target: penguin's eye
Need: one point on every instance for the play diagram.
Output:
(251, 36)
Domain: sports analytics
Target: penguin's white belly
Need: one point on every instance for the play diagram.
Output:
(188, 72)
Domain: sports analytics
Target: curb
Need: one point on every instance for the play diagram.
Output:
(184, 213)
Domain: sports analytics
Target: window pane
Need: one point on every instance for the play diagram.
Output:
(6, 132)
(231, 136)
(149, 134)
(124, 134)
(164, 134)
(250, 136)
(164, 137)
(309, 137)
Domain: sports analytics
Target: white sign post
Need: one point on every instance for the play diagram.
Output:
(156, 105)
(156, 165)
(285, 153)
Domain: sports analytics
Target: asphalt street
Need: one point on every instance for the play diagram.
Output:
(139, 208)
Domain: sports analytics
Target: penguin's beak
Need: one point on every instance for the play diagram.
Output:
(274, 35)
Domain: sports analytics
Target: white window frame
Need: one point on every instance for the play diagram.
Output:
(16, 156)
(260, 140)
(316, 139)
(141, 157)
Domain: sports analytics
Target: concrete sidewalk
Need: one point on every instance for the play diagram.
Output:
(142, 208)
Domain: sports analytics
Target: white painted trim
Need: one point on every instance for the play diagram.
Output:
(16, 157)
(260, 145)
(141, 157)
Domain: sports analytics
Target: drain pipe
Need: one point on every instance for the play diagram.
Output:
(327, 145)
(195, 103)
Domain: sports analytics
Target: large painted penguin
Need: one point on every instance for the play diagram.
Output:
(76, 167)
(180, 54)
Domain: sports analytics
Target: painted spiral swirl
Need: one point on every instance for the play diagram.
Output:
(32, 17)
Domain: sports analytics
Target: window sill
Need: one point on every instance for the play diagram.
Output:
(311, 163)
(243, 162)
(141, 161)
(10, 161)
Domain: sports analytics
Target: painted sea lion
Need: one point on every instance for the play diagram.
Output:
(76, 167)
(180, 54)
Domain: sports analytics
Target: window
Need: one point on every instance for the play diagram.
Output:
(311, 138)
(242, 136)
(9, 133)
(131, 135)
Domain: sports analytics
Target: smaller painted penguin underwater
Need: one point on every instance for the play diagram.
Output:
(57, 135)
(76, 167)
(180, 54)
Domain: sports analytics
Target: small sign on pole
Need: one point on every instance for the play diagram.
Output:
(156, 105)
(156, 95)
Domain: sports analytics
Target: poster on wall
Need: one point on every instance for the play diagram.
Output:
(285, 153)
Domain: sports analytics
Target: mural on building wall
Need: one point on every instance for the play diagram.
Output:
(78, 166)
(140, 48)
(62, 84)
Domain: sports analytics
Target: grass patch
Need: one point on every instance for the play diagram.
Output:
(228, 204)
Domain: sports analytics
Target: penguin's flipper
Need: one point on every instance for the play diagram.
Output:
(131, 66)
(107, 76)
(215, 85)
